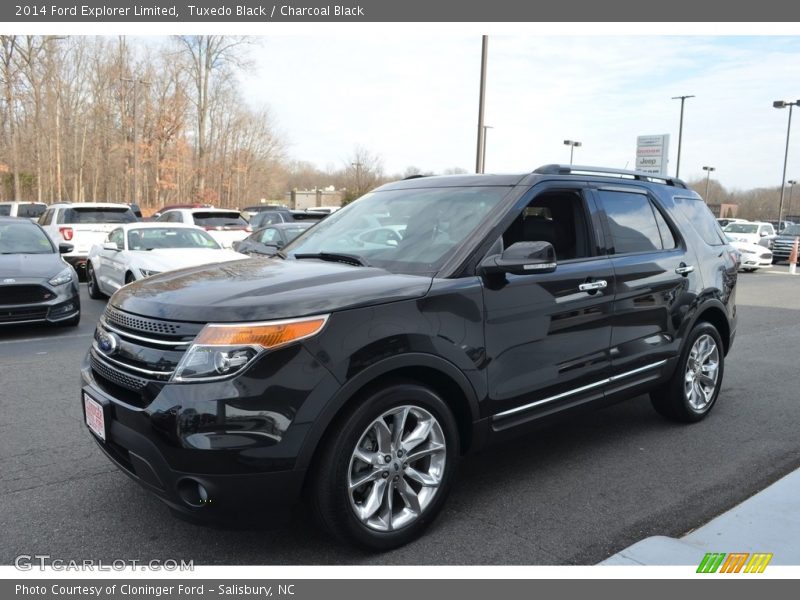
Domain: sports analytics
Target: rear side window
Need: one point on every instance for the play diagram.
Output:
(86, 215)
(633, 224)
(218, 219)
(31, 210)
(5, 210)
(702, 220)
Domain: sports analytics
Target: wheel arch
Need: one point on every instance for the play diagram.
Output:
(714, 313)
(443, 377)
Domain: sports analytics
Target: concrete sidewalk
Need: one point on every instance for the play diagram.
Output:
(766, 522)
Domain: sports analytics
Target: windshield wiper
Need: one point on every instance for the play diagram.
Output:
(350, 259)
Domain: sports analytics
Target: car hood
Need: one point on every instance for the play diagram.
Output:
(30, 266)
(260, 289)
(169, 259)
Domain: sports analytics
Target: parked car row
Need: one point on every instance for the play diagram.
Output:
(748, 236)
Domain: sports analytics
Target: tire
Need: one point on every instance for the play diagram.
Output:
(91, 284)
(687, 398)
(408, 509)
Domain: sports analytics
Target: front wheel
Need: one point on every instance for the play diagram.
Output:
(384, 473)
(693, 390)
(91, 283)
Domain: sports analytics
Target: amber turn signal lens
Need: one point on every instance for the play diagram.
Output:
(266, 335)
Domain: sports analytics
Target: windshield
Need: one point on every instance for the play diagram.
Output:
(21, 238)
(155, 238)
(742, 228)
(404, 231)
(97, 215)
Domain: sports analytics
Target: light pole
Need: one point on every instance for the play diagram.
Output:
(481, 100)
(708, 177)
(680, 134)
(791, 183)
(572, 145)
(783, 104)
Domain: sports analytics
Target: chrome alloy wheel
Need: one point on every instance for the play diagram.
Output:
(702, 373)
(396, 468)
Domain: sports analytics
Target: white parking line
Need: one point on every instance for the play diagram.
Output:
(38, 339)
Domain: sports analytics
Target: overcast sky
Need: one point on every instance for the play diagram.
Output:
(413, 99)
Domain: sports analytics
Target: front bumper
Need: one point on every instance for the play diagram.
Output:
(64, 304)
(161, 446)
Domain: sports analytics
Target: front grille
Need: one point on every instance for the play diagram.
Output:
(139, 324)
(117, 376)
(24, 294)
(18, 315)
(145, 355)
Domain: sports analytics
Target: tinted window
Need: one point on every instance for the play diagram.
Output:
(266, 218)
(792, 230)
(702, 220)
(436, 222)
(219, 219)
(667, 238)
(31, 210)
(631, 221)
(46, 218)
(23, 238)
(96, 215)
(5, 210)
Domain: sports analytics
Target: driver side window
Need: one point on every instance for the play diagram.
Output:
(557, 217)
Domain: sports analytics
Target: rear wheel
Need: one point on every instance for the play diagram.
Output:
(382, 477)
(91, 283)
(693, 390)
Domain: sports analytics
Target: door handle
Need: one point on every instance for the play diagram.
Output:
(684, 269)
(591, 286)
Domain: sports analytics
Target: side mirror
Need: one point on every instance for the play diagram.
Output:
(65, 248)
(110, 246)
(522, 258)
(763, 234)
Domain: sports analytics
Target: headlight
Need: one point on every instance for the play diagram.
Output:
(147, 273)
(222, 350)
(63, 277)
(747, 251)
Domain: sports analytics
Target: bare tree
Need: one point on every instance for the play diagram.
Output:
(9, 72)
(208, 55)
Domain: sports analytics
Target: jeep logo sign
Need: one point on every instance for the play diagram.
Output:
(652, 153)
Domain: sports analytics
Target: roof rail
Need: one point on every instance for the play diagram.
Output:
(415, 176)
(607, 172)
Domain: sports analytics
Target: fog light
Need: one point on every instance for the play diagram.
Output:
(193, 493)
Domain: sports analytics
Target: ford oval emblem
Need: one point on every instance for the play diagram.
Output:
(107, 342)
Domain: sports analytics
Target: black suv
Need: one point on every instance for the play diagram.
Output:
(355, 369)
(782, 245)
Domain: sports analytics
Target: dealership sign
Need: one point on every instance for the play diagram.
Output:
(652, 152)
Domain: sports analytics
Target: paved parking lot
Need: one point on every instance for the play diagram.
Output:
(571, 494)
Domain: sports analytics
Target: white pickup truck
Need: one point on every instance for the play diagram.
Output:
(83, 224)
